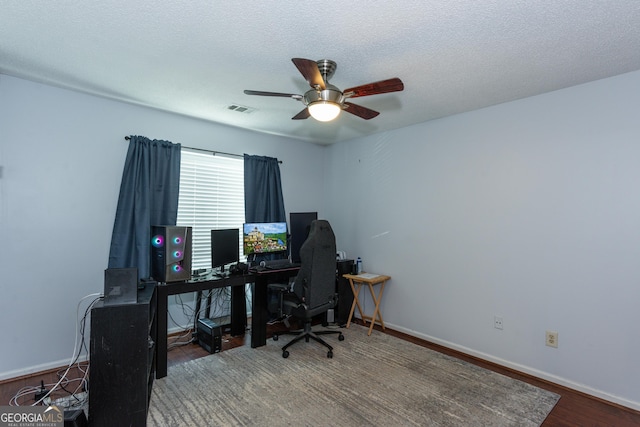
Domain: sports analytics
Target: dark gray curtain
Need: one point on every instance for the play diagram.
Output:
(263, 201)
(148, 196)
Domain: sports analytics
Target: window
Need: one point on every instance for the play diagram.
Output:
(211, 196)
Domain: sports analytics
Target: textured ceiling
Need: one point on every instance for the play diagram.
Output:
(196, 57)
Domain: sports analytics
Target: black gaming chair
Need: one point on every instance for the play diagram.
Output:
(314, 289)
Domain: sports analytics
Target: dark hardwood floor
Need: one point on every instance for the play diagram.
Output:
(574, 409)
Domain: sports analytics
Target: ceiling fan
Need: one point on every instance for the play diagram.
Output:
(324, 101)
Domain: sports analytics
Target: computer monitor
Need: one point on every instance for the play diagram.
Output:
(224, 247)
(264, 237)
(300, 225)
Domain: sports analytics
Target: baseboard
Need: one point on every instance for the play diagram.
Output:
(560, 381)
(36, 370)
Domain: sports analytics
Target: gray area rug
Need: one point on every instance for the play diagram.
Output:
(376, 380)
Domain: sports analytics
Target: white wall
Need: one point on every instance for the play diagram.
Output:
(528, 210)
(61, 155)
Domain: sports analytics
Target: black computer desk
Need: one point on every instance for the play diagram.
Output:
(259, 310)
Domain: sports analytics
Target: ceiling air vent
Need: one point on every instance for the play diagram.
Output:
(241, 108)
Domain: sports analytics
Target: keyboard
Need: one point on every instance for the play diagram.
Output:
(280, 265)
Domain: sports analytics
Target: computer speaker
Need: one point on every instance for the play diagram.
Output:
(120, 286)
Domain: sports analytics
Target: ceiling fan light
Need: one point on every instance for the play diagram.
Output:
(324, 111)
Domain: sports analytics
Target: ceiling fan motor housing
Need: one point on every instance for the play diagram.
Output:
(330, 94)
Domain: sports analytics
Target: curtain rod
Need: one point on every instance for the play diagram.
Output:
(209, 151)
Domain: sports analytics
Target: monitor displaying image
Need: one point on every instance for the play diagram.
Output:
(264, 237)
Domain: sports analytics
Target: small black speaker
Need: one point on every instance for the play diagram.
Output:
(170, 253)
(209, 335)
(120, 286)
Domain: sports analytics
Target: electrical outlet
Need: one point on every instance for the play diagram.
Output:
(497, 322)
(552, 339)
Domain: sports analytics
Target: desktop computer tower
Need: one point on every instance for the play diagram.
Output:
(345, 294)
(170, 253)
(209, 335)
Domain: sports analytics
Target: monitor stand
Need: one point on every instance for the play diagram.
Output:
(221, 273)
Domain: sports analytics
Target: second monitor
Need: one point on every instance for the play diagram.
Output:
(225, 248)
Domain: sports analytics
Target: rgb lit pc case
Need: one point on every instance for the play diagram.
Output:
(170, 253)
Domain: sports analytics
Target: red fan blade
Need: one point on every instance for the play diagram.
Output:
(304, 114)
(384, 86)
(360, 111)
(309, 70)
(261, 93)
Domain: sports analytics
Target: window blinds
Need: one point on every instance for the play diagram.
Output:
(211, 197)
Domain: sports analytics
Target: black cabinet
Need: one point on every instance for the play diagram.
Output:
(345, 294)
(122, 361)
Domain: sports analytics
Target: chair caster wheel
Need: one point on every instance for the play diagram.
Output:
(275, 338)
(285, 354)
(330, 354)
(340, 337)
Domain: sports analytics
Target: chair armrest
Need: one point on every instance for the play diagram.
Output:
(294, 304)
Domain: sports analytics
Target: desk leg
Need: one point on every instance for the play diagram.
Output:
(377, 315)
(197, 312)
(161, 339)
(259, 312)
(238, 310)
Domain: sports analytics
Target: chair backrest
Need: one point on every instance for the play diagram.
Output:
(316, 281)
